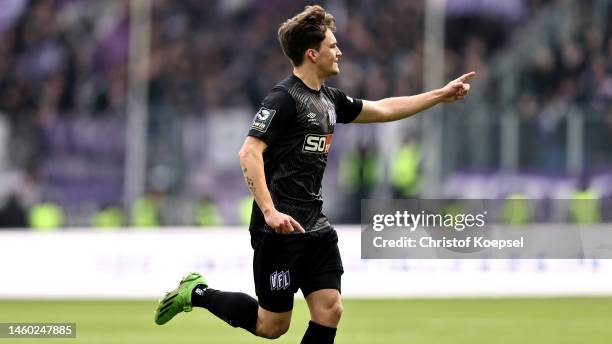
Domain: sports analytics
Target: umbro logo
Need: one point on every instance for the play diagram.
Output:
(312, 117)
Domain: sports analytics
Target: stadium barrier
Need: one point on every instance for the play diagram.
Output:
(144, 264)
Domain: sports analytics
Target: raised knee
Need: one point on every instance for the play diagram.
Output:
(335, 311)
(273, 331)
(329, 315)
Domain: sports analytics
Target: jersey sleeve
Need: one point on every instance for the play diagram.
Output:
(274, 117)
(347, 108)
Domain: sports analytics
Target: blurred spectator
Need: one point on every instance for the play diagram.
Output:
(207, 213)
(517, 209)
(358, 175)
(244, 210)
(406, 170)
(145, 212)
(46, 216)
(585, 203)
(13, 214)
(109, 217)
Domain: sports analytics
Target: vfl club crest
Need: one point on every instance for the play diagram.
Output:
(331, 113)
(279, 280)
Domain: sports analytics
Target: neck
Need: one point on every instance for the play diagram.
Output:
(309, 76)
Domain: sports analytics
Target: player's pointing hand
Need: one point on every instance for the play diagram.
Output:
(457, 89)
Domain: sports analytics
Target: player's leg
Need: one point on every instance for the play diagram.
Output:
(237, 309)
(241, 310)
(272, 325)
(276, 281)
(321, 287)
(325, 307)
(276, 278)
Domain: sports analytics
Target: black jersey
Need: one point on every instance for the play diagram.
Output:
(297, 123)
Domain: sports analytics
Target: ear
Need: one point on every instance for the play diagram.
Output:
(311, 55)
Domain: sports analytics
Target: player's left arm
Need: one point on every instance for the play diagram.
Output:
(396, 108)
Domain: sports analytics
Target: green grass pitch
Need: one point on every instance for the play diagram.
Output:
(457, 321)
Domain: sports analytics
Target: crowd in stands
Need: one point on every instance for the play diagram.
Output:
(569, 74)
(66, 61)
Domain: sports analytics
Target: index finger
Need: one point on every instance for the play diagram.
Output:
(467, 76)
(285, 228)
(297, 225)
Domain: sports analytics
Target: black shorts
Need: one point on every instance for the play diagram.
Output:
(284, 263)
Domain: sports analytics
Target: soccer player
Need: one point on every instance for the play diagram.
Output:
(283, 159)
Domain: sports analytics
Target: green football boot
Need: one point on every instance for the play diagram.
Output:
(178, 300)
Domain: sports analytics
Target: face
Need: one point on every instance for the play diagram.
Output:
(328, 55)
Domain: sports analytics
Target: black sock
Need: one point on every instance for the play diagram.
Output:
(318, 334)
(236, 309)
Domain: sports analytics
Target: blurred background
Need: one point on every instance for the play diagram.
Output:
(117, 113)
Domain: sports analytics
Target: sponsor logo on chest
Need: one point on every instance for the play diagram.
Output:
(317, 144)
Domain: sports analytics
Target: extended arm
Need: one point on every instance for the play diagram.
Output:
(251, 161)
(396, 108)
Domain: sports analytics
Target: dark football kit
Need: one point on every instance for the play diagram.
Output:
(297, 124)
